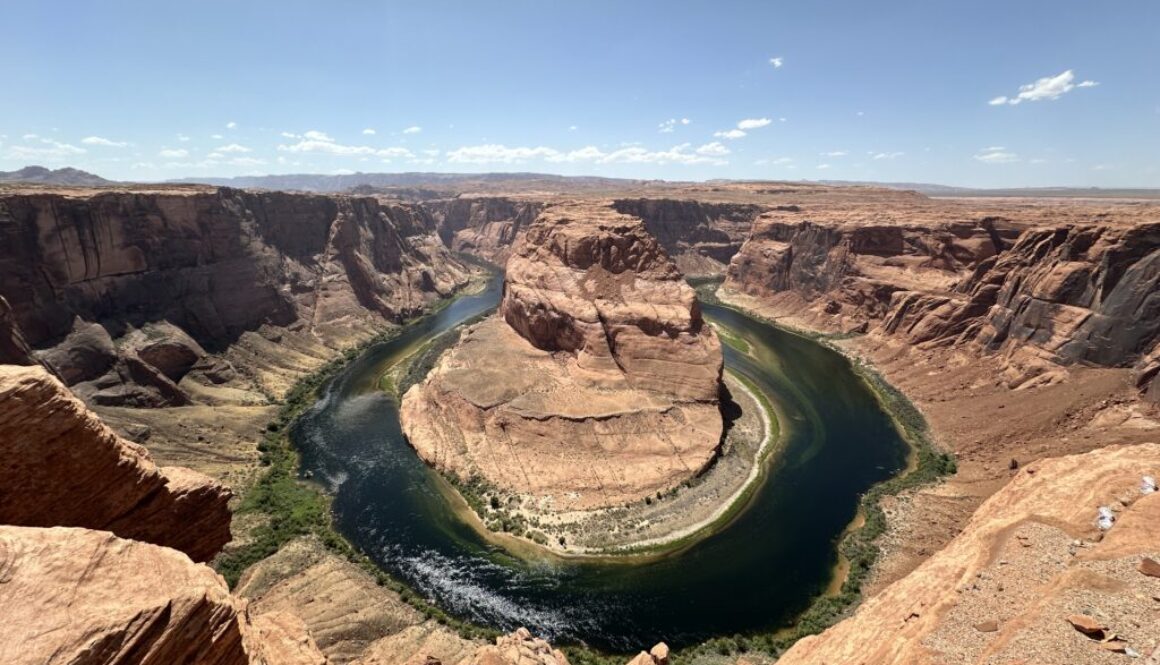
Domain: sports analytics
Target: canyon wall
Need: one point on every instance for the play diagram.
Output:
(1040, 296)
(486, 226)
(596, 384)
(125, 292)
(700, 236)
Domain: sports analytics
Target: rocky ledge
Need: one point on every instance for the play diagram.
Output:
(596, 384)
(64, 467)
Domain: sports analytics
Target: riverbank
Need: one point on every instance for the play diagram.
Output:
(858, 546)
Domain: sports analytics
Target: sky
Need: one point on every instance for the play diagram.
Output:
(982, 93)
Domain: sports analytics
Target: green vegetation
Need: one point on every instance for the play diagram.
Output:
(290, 507)
(858, 547)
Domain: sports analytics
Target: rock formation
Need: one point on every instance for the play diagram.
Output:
(1030, 557)
(64, 467)
(14, 350)
(700, 236)
(81, 597)
(486, 226)
(202, 267)
(597, 383)
(1041, 296)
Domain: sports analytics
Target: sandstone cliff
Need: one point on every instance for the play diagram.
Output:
(82, 597)
(204, 267)
(1031, 557)
(64, 467)
(597, 383)
(1040, 295)
(486, 226)
(700, 236)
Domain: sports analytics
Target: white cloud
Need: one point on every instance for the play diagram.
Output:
(783, 160)
(231, 125)
(1102, 167)
(495, 153)
(1048, 87)
(99, 140)
(996, 155)
(316, 141)
(777, 62)
(1037, 160)
(670, 125)
(47, 149)
(173, 153)
(182, 137)
(753, 123)
(369, 132)
(886, 155)
(713, 149)
(835, 153)
(233, 147)
(216, 136)
(247, 161)
(822, 167)
(431, 152)
(413, 129)
(290, 135)
(572, 128)
(684, 153)
(731, 134)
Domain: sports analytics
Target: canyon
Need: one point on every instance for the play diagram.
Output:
(1025, 331)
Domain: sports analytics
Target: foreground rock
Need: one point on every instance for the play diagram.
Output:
(1031, 560)
(596, 385)
(64, 467)
(81, 597)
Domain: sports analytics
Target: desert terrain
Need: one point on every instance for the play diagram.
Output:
(188, 324)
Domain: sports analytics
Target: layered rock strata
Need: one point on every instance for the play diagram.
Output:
(700, 236)
(64, 467)
(1040, 296)
(94, 277)
(596, 384)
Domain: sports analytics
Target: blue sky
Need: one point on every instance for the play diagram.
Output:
(898, 91)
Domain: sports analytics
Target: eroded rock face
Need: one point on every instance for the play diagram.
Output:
(701, 237)
(204, 267)
(1030, 557)
(64, 467)
(486, 226)
(1041, 296)
(14, 350)
(596, 384)
(81, 597)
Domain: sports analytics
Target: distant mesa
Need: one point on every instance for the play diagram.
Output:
(42, 176)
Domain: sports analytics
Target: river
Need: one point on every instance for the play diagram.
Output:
(753, 575)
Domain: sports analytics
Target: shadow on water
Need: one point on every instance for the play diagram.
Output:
(753, 575)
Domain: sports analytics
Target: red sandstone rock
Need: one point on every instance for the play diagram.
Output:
(599, 385)
(63, 467)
